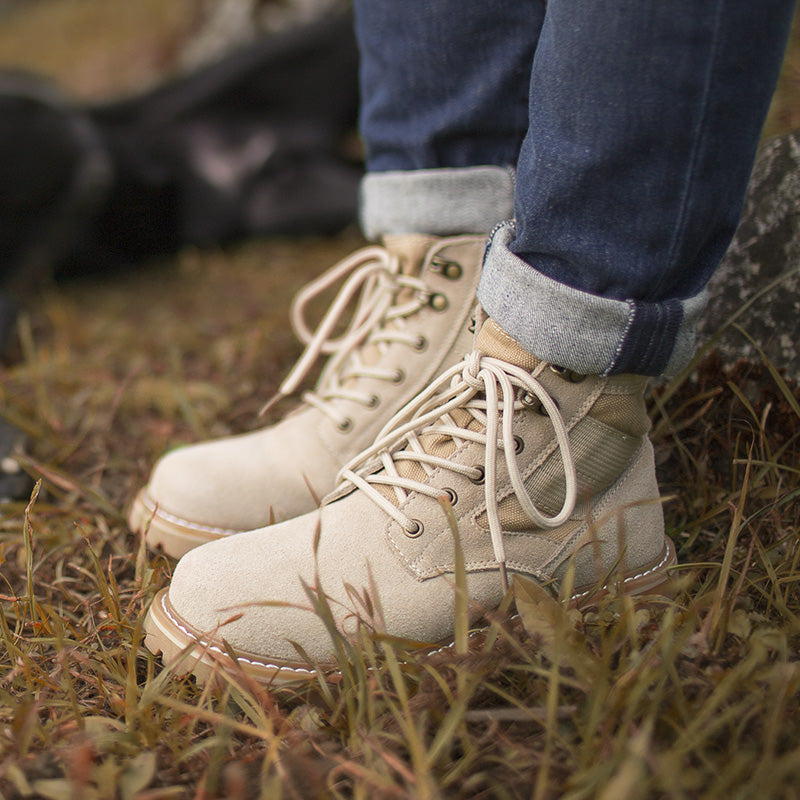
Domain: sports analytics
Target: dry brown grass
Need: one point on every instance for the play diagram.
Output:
(698, 697)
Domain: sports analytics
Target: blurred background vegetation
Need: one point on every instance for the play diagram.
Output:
(101, 48)
(97, 48)
(698, 699)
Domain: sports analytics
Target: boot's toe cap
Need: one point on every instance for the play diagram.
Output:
(249, 592)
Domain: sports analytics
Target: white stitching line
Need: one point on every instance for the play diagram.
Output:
(267, 665)
(154, 509)
(208, 646)
(629, 578)
(577, 596)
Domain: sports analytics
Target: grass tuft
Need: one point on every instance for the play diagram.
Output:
(696, 696)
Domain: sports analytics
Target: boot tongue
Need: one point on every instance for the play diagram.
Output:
(410, 249)
(491, 341)
(494, 342)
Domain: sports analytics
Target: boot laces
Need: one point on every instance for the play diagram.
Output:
(372, 277)
(487, 389)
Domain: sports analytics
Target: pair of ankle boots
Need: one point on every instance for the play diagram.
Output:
(432, 439)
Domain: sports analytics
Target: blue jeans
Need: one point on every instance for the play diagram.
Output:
(630, 127)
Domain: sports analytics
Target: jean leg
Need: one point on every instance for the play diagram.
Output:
(644, 120)
(444, 96)
(444, 83)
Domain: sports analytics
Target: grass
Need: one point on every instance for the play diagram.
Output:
(692, 697)
(695, 697)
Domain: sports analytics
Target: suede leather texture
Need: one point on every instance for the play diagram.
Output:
(361, 551)
(244, 482)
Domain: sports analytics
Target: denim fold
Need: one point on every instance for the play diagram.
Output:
(442, 202)
(631, 126)
(587, 333)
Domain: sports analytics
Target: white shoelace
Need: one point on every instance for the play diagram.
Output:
(487, 388)
(373, 276)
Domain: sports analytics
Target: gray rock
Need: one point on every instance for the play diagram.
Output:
(757, 286)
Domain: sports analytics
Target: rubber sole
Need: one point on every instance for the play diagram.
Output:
(186, 650)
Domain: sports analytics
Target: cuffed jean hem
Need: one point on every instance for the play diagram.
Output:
(583, 332)
(441, 202)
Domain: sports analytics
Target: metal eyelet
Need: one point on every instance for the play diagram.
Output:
(438, 302)
(447, 269)
(452, 497)
(421, 344)
(345, 425)
(533, 403)
(481, 477)
(519, 445)
(374, 401)
(399, 376)
(417, 531)
(567, 374)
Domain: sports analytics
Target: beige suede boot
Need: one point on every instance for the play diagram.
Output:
(543, 468)
(415, 300)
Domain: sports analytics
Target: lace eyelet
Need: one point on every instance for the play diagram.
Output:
(447, 269)
(567, 374)
(438, 302)
(374, 401)
(417, 529)
(481, 477)
(345, 425)
(533, 403)
(421, 344)
(452, 497)
(399, 376)
(519, 445)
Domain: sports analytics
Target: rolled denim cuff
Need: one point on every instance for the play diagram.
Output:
(442, 202)
(584, 332)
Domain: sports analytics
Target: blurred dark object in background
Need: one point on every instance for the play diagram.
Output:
(256, 143)
(54, 173)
